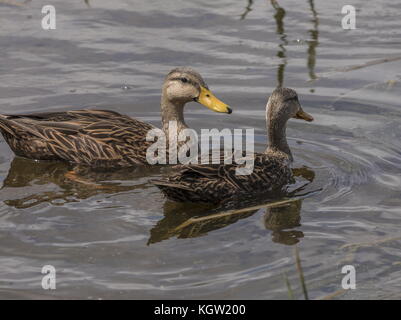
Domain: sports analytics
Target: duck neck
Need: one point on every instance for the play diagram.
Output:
(172, 115)
(277, 138)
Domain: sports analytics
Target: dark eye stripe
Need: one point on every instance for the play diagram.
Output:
(181, 80)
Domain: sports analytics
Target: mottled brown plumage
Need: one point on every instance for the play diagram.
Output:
(217, 183)
(97, 138)
(102, 138)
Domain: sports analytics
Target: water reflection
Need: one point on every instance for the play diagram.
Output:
(279, 17)
(248, 9)
(313, 42)
(29, 183)
(282, 220)
(185, 220)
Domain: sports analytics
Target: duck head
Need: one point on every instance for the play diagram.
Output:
(184, 85)
(283, 104)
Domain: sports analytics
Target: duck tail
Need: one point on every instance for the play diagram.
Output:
(162, 184)
(173, 191)
(5, 126)
(176, 192)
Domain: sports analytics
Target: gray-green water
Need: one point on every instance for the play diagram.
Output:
(124, 241)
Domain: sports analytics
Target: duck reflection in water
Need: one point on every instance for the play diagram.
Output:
(189, 220)
(30, 183)
(282, 220)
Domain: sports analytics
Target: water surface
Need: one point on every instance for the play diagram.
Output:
(124, 240)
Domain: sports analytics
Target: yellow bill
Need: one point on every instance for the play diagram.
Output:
(304, 116)
(207, 98)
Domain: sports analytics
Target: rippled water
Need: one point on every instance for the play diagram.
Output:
(123, 240)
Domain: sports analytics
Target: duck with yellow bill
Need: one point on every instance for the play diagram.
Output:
(104, 138)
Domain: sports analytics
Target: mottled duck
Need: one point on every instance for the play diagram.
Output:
(103, 138)
(216, 183)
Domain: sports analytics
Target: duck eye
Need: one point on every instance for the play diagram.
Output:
(184, 80)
